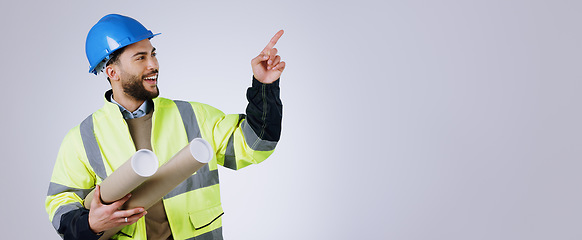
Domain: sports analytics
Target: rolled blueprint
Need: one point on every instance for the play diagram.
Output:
(127, 177)
(179, 168)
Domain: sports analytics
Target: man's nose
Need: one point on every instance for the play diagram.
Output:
(153, 63)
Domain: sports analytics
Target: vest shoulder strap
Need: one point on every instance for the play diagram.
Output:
(92, 148)
(189, 119)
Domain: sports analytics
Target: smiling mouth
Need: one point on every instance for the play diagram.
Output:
(152, 79)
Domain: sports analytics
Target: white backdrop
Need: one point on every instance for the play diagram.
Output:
(405, 120)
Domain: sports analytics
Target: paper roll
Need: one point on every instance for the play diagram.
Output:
(179, 168)
(126, 178)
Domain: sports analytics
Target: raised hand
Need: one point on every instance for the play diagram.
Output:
(267, 66)
(103, 217)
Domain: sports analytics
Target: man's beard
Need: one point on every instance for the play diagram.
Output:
(134, 88)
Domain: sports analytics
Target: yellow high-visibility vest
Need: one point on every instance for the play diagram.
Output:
(92, 150)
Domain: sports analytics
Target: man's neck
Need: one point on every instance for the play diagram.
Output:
(128, 102)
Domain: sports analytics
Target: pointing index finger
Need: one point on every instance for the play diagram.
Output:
(273, 40)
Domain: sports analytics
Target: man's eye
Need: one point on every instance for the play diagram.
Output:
(154, 54)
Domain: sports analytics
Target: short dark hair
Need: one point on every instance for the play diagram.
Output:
(114, 58)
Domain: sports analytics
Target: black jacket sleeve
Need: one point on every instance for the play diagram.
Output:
(265, 110)
(75, 225)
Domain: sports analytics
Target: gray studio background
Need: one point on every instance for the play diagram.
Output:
(402, 119)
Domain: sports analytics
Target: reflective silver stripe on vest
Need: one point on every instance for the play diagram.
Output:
(189, 119)
(203, 178)
(92, 148)
(254, 142)
(55, 188)
(215, 234)
(62, 210)
(229, 157)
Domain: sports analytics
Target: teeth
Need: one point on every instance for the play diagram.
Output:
(152, 77)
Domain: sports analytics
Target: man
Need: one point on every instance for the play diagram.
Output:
(133, 118)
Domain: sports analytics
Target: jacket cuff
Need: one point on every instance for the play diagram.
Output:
(75, 225)
(85, 231)
(265, 110)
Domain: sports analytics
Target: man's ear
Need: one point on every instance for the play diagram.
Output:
(112, 72)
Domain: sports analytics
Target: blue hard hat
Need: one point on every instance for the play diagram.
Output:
(112, 32)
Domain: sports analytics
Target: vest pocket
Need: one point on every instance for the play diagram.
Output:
(203, 218)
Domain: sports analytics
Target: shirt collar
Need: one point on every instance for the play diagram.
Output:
(145, 107)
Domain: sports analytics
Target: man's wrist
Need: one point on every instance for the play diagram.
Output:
(257, 83)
